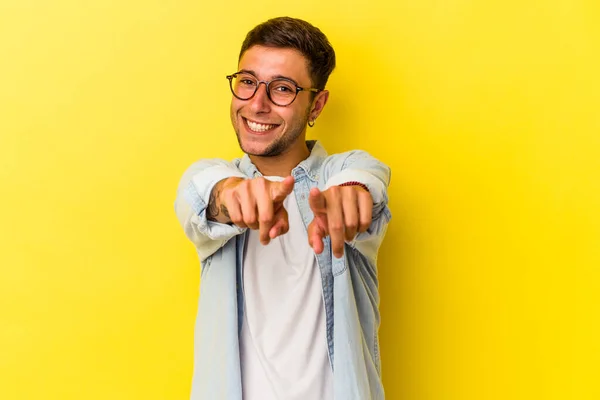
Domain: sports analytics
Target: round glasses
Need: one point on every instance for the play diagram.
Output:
(281, 91)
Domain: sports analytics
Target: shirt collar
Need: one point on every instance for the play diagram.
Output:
(309, 166)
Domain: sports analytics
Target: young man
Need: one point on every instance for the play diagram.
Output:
(287, 237)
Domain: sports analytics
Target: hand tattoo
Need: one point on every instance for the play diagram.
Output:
(225, 211)
(213, 209)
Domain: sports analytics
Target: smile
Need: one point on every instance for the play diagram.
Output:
(259, 127)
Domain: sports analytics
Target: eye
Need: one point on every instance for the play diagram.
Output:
(284, 88)
(245, 80)
(248, 82)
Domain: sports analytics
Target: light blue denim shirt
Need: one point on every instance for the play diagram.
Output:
(350, 286)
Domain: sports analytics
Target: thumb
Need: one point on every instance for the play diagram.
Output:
(316, 201)
(280, 190)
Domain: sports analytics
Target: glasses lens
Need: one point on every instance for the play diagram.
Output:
(282, 91)
(244, 86)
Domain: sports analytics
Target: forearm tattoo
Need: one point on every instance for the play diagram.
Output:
(213, 207)
(224, 211)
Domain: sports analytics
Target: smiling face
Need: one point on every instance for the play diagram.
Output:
(263, 128)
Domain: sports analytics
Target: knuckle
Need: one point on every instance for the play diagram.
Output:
(352, 225)
(364, 194)
(242, 188)
(265, 218)
(241, 185)
(228, 194)
(259, 182)
(336, 227)
(250, 219)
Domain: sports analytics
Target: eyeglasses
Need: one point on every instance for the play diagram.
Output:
(281, 91)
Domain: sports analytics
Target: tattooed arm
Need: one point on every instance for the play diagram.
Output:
(198, 204)
(216, 201)
(217, 211)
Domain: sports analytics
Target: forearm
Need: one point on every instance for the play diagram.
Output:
(193, 198)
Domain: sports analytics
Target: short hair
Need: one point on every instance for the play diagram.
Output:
(293, 33)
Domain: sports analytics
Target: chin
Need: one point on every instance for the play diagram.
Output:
(253, 148)
(261, 150)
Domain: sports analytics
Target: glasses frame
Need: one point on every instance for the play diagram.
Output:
(299, 89)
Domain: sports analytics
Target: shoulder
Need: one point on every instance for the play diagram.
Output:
(355, 165)
(352, 159)
(210, 167)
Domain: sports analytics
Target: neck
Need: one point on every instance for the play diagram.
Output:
(284, 163)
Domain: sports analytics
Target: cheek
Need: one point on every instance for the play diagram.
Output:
(234, 109)
(298, 115)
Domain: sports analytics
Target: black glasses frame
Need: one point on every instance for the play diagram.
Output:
(299, 89)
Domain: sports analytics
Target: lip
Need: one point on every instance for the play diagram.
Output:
(245, 122)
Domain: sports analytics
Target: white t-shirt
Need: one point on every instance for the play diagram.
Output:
(283, 343)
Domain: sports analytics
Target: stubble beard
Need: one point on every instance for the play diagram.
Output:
(280, 144)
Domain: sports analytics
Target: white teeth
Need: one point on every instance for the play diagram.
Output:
(259, 127)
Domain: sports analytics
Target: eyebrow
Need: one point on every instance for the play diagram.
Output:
(249, 71)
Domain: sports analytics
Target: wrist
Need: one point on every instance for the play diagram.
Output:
(217, 211)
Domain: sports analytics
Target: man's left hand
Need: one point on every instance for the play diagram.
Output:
(340, 212)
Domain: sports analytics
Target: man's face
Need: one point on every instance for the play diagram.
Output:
(263, 128)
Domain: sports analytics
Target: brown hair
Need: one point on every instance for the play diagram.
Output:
(293, 33)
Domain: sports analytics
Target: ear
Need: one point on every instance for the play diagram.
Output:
(318, 104)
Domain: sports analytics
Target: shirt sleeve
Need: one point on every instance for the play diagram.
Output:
(192, 200)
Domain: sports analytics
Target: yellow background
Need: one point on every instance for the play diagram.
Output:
(487, 112)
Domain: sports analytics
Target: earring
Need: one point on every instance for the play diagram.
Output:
(311, 123)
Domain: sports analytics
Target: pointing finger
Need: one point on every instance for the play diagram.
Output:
(316, 201)
(280, 190)
(264, 205)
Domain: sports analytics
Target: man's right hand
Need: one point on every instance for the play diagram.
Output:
(252, 203)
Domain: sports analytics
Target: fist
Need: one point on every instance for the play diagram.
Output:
(340, 212)
(257, 204)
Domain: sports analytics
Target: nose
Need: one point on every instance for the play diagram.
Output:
(260, 102)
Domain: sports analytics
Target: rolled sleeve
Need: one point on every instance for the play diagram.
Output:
(359, 166)
(198, 194)
(375, 185)
(192, 201)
